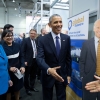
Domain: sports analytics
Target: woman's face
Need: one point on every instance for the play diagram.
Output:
(8, 38)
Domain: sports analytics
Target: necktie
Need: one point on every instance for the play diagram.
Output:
(34, 49)
(98, 59)
(57, 46)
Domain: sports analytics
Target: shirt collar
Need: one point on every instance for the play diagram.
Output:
(54, 35)
(42, 35)
(96, 39)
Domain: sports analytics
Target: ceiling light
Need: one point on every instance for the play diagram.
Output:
(15, 8)
(13, 1)
(19, 15)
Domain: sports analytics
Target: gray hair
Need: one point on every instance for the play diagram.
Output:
(50, 19)
(42, 29)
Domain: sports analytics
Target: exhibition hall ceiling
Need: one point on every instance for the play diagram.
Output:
(27, 6)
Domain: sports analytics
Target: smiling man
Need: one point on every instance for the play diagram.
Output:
(54, 58)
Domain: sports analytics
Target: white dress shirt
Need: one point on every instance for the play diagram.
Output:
(34, 48)
(54, 38)
(96, 43)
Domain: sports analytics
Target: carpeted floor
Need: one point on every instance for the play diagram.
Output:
(35, 95)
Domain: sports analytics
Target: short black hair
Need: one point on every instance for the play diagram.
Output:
(50, 19)
(7, 26)
(6, 32)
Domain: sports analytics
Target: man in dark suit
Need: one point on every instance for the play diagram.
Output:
(54, 59)
(29, 49)
(88, 62)
(43, 33)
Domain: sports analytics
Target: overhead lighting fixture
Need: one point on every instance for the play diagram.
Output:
(19, 15)
(15, 8)
(13, 1)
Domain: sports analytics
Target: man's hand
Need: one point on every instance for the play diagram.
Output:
(52, 71)
(10, 83)
(13, 69)
(94, 86)
(68, 79)
(25, 63)
(22, 69)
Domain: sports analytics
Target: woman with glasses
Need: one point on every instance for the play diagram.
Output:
(16, 63)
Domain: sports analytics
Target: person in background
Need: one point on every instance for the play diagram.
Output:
(54, 59)
(24, 36)
(29, 49)
(19, 39)
(94, 86)
(8, 27)
(43, 33)
(15, 61)
(5, 81)
(89, 62)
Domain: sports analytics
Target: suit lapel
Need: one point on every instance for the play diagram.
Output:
(36, 43)
(92, 48)
(62, 44)
(52, 45)
(29, 42)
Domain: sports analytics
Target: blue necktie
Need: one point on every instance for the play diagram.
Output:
(57, 46)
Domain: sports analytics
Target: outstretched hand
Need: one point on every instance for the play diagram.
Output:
(52, 72)
(94, 86)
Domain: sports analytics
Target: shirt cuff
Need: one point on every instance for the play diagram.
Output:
(48, 72)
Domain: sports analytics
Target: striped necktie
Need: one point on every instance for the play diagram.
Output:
(98, 59)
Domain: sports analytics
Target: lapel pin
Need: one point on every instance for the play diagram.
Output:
(63, 40)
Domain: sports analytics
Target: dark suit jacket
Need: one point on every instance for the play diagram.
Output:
(27, 50)
(87, 65)
(47, 57)
(39, 38)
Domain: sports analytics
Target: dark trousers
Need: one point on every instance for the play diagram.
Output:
(3, 97)
(30, 75)
(60, 91)
(38, 73)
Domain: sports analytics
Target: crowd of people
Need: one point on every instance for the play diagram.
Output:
(45, 56)
(49, 57)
